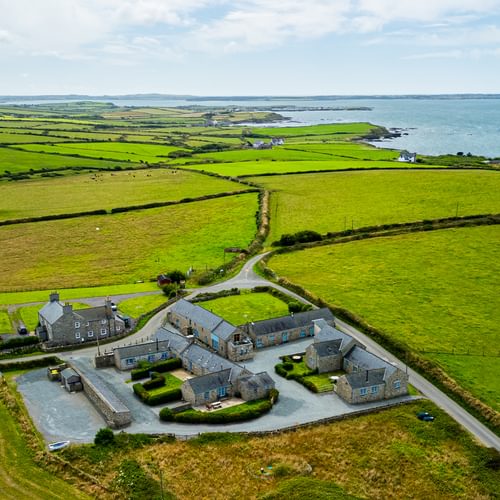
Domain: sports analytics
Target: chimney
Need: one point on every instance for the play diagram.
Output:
(54, 297)
(67, 308)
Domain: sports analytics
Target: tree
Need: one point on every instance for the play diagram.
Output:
(104, 437)
(176, 276)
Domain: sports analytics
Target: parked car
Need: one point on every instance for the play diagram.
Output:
(114, 307)
(21, 328)
(425, 416)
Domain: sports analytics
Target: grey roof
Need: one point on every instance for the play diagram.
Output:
(258, 380)
(327, 348)
(366, 378)
(142, 349)
(176, 342)
(368, 361)
(209, 361)
(67, 373)
(210, 381)
(298, 320)
(204, 318)
(51, 312)
(328, 332)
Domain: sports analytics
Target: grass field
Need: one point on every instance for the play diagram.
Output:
(104, 190)
(240, 309)
(347, 151)
(18, 138)
(341, 129)
(126, 247)
(15, 161)
(141, 305)
(384, 455)
(20, 477)
(435, 291)
(342, 200)
(5, 324)
(120, 151)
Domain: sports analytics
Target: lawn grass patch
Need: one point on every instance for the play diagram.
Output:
(434, 292)
(104, 190)
(240, 309)
(141, 305)
(337, 201)
(126, 247)
(5, 324)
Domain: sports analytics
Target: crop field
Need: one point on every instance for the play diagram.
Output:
(344, 200)
(241, 309)
(141, 305)
(104, 190)
(397, 457)
(150, 153)
(126, 247)
(436, 291)
(15, 161)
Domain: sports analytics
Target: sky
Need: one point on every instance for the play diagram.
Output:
(249, 47)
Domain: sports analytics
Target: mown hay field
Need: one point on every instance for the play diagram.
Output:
(121, 151)
(343, 200)
(247, 307)
(389, 455)
(126, 247)
(435, 292)
(15, 161)
(104, 190)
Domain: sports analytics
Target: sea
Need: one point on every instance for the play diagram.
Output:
(428, 125)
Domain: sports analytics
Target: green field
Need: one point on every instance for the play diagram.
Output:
(18, 138)
(15, 161)
(126, 247)
(246, 307)
(141, 305)
(104, 190)
(340, 129)
(5, 324)
(350, 151)
(120, 151)
(343, 200)
(434, 291)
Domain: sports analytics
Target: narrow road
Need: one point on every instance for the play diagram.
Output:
(247, 278)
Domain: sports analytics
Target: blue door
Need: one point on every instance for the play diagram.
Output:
(285, 337)
(221, 392)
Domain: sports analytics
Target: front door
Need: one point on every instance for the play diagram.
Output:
(285, 337)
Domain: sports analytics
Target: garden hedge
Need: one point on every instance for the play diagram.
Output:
(159, 366)
(19, 342)
(31, 363)
(156, 399)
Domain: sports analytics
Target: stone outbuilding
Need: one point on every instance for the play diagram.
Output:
(258, 386)
(128, 357)
(71, 380)
(208, 388)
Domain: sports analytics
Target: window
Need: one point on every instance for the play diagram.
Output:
(151, 358)
(271, 339)
(103, 331)
(302, 333)
(90, 333)
(118, 328)
(207, 395)
(103, 321)
(195, 332)
(363, 391)
(164, 355)
(221, 392)
(77, 324)
(259, 343)
(284, 337)
(397, 384)
(374, 389)
(77, 335)
(130, 361)
(87, 324)
(311, 331)
(215, 342)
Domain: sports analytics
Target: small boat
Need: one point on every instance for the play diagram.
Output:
(58, 446)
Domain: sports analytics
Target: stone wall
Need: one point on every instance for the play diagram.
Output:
(105, 360)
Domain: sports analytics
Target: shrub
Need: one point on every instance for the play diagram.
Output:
(104, 437)
(288, 366)
(157, 380)
(280, 370)
(166, 414)
(19, 342)
(163, 397)
(32, 363)
(159, 366)
(294, 307)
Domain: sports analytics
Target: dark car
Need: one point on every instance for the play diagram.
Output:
(425, 416)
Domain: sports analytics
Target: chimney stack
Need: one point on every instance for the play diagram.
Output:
(54, 297)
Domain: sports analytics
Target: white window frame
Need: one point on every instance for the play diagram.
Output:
(374, 389)
(103, 332)
(77, 324)
(90, 333)
(363, 391)
(103, 321)
(397, 384)
(77, 335)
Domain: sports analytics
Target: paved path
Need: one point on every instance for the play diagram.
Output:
(247, 278)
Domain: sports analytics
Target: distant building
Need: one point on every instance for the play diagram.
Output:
(262, 145)
(406, 157)
(277, 141)
(59, 324)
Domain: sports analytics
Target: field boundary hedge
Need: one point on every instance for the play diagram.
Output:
(412, 358)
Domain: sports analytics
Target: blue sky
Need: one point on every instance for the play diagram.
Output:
(250, 47)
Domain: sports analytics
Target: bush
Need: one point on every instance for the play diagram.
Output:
(32, 363)
(19, 342)
(288, 366)
(104, 437)
(166, 414)
(280, 370)
(164, 397)
(159, 366)
(157, 380)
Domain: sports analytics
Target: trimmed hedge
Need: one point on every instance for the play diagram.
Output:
(159, 366)
(284, 370)
(157, 380)
(156, 399)
(31, 363)
(19, 342)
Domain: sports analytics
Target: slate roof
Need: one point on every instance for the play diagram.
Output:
(366, 378)
(367, 361)
(176, 342)
(209, 361)
(210, 381)
(327, 347)
(204, 318)
(298, 320)
(328, 332)
(51, 311)
(258, 380)
(67, 373)
(92, 313)
(131, 351)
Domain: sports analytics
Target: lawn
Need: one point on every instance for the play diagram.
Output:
(5, 324)
(121, 151)
(104, 190)
(125, 247)
(342, 200)
(15, 161)
(171, 382)
(141, 305)
(434, 291)
(240, 309)
(390, 454)
(20, 477)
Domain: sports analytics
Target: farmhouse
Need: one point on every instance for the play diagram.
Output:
(277, 331)
(223, 337)
(406, 157)
(59, 324)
